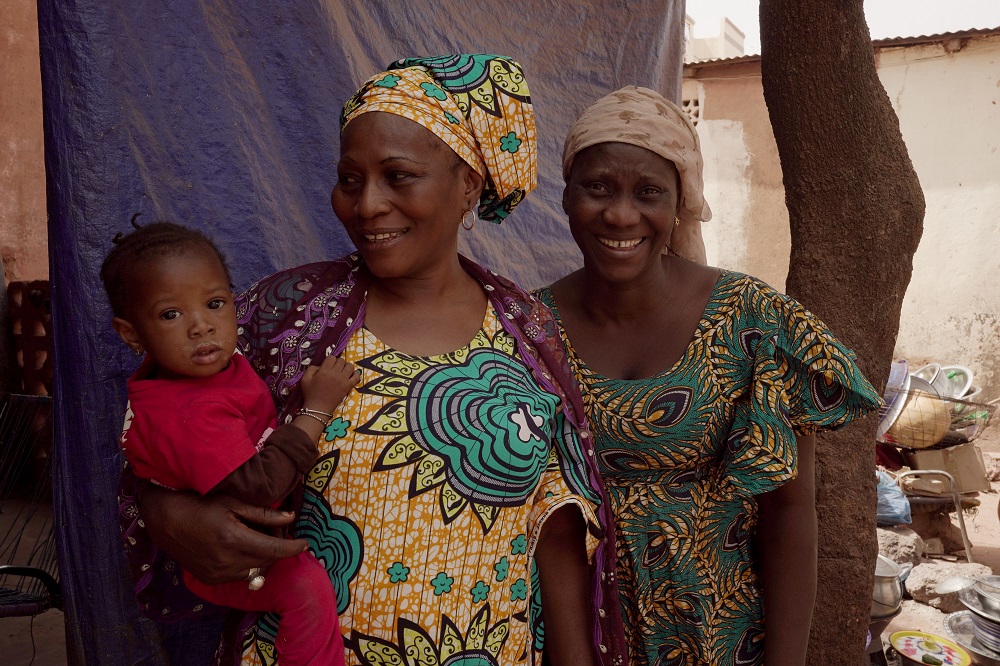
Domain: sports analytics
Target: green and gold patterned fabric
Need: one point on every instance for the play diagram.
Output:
(684, 453)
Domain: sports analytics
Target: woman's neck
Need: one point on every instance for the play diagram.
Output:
(634, 300)
(436, 285)
(426, 315)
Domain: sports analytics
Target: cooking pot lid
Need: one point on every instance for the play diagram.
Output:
(887, 568)
(926, 648)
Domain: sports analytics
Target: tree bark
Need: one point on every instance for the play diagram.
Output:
(856, 212)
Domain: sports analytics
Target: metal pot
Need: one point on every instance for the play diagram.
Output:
(887, 593)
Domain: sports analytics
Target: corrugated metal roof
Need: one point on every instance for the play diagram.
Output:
(885, 42)
(942, 36)
(714, 61)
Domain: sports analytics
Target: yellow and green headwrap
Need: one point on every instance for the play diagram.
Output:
(477, 104)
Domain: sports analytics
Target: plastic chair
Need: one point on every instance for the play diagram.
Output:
(29, 579)
(953, 503)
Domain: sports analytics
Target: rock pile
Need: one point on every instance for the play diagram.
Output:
(927, 609)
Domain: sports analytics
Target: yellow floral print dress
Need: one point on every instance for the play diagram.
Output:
(429, 537)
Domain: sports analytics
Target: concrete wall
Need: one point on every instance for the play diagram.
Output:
(23, 235)
(948, 102)
(947, 96)
(749, 229)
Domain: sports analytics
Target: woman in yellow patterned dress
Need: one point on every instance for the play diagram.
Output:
(704, 389)
(455, 502)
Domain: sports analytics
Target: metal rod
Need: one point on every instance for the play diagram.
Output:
(955, 498)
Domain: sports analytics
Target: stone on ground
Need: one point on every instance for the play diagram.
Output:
(926, 576)
(900, 544)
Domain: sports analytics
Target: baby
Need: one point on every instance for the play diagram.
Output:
(200, 419)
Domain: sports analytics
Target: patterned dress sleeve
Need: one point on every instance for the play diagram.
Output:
(825, 387)
(159, 586)
(800, 379)
(290, 318)
(554, 492)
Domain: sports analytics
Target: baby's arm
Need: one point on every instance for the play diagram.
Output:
(323, 389)
(270, 475)
(290, 451)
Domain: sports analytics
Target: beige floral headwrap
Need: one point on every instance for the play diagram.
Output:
(478, 104)
(642, 117)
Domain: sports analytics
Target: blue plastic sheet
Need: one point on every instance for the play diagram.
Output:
(893, 508)
(223, 116)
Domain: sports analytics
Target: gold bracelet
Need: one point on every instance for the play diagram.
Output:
(306, 410)
(311, 413)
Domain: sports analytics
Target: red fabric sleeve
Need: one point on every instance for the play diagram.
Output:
(195, 448)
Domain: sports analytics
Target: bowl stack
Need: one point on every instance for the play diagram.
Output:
(982, 598)
(928, 423)
(934, 405)
(923, 419)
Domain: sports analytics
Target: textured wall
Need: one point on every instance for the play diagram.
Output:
(749, 230)
(947, 97)
(22, 173)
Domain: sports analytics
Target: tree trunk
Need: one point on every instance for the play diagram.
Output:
(856, 213)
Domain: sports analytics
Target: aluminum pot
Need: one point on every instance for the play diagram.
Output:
(887, 593)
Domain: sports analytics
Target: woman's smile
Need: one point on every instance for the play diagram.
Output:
(621, 201)
(382, 237)
(400, 194)
(621, 245)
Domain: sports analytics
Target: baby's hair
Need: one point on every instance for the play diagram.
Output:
(151, 241)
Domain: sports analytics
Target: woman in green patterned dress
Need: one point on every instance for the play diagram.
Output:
(704, 389)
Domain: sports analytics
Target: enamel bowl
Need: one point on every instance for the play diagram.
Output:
(958, 380)
(924, 418)
(917, 647)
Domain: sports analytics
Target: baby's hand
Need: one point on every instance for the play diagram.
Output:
(326, 386)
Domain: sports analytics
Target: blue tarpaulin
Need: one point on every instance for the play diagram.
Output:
(224, 116)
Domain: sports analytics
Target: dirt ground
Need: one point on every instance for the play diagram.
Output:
(41, 641)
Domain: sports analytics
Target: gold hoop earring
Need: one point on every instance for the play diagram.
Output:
(469, 219)
(667, 249)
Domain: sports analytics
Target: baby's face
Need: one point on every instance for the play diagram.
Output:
(183, 315)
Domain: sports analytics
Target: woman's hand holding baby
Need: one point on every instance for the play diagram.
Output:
(210, 536)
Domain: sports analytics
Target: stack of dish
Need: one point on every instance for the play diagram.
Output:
(987, 589)
(915, 417)
(982, 598)
(932, 405)
(950, 381)
(959, 625)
